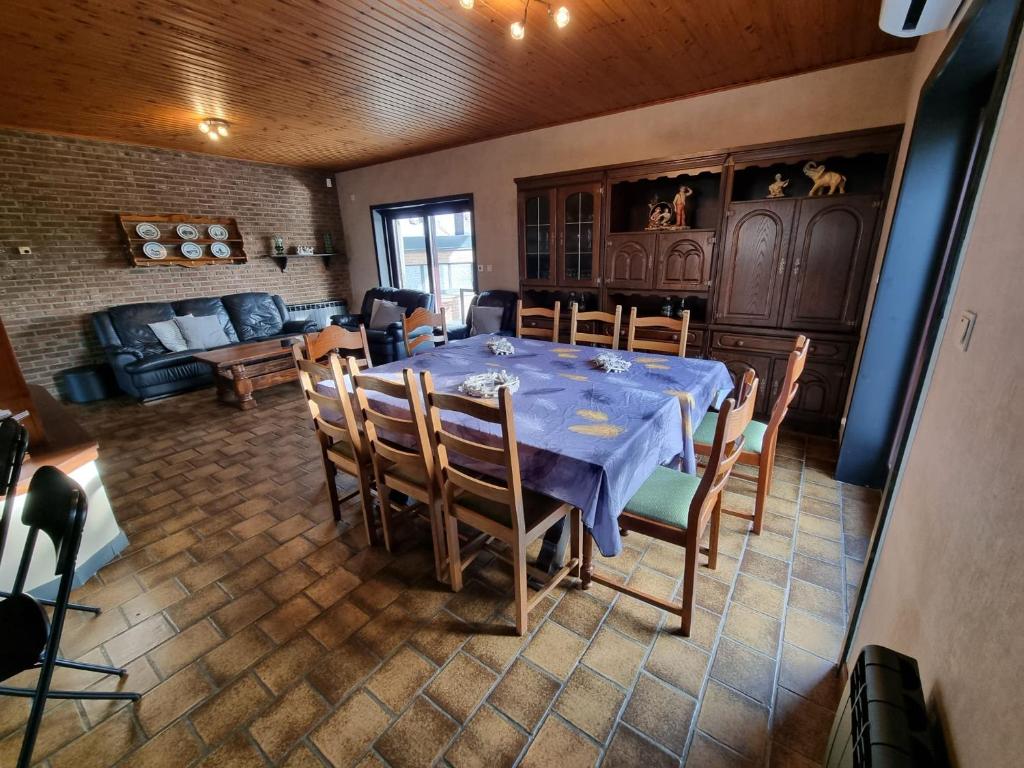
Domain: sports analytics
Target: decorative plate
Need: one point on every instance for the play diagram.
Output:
(154, 250)
(191, 250)
(220, 250)
(187, 232)
(217, 232)
(148, 231)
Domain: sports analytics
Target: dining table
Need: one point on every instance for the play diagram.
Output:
(585, 436)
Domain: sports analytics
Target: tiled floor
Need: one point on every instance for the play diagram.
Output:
(259, 636)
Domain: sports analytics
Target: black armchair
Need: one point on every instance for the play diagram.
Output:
(386, 344)
(497, 298)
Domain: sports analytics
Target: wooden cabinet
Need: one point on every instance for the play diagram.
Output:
(630, 260)
(831, 253)
(753, 257)
(579, 234)
(537, 236)
(684, 260)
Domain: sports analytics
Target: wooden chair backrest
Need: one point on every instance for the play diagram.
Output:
(323, 405)
(554, 315)
(733, 419)
(454, 479)
(382, 428)
(607, 318)
(424, 318)
(794, 368)
(334, 338)
(680, 326)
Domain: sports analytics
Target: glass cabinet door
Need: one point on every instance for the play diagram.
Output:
(579, 210)
(536, 223)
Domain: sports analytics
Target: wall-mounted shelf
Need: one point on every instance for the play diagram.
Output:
(282, 261)
(169, 238)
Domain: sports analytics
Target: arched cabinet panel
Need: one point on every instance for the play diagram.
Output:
(684, 260)
(630, 258)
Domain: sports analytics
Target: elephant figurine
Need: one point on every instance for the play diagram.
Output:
(823, 178)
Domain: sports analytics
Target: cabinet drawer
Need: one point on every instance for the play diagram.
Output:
(829, 350)
(759, 343)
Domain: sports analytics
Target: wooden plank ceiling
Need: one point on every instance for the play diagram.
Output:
(343, 83)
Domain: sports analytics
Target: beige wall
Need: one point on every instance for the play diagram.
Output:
(949, 584)
(851, 97)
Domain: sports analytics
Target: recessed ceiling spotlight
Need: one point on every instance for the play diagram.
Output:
(214, 128)
(467, 4)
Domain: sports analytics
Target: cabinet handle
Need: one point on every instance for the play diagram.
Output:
(782, 265)
(739, 343)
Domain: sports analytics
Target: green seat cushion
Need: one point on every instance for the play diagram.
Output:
(753, 435)
(665, 497)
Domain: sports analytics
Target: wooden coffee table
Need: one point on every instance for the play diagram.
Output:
(244, 368)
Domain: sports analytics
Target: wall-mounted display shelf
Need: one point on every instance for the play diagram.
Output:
(181, 240)
(282, 260)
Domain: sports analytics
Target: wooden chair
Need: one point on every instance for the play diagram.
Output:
(499, 509)
(761, 438)
(576, 336)
(677, 508)
(554, 315)
(680, 326)
(334, 338)
(401, 454)
(424, 318)
(342, 445)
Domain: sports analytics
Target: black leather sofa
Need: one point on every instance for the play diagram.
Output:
(497, 298)
(386, 344)
(145, 369)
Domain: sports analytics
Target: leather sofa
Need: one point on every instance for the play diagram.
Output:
(145, 369)
(386, 344)
(497, 298)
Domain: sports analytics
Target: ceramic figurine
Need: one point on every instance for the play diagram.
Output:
(659, 214)
(778, 187)
(278, 243)
(823, 178)
(679, 204)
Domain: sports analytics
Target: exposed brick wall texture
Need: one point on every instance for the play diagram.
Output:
(60, 196)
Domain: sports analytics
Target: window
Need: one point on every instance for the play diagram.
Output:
(428, 246)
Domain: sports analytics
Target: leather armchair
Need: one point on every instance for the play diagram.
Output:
(497, 298)
(386, 344)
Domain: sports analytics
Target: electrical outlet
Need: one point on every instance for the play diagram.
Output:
(479, 267)
(330, 182)
(24, 250)
(490, 267)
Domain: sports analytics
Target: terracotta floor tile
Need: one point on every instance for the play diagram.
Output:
(817, 572)
(814, 635)
(766, 568)
(629, 749)
(149, 603)
(288, 619)
(242, 611)
(801, 725)
(289, 582)
(755, 629)
(820, 526)
(329, 589)
(418, 738)
(461, 686)
(237, 752)
(579, 612)
(559, 745)
(555, 649)
(342, 669)
(734, 720)
(175, 747)
(441, 637)
(335, 625)
(635, 619)
(614, 656)
(134, 642)
(103, 746)
(772, 543)
(745, 670)
(487, 741)
(291, 716)
(524, 694)
(184, 648)
(349, 732)
(237, 704)
(784, 757)
(591, 703)
(289, 662)
(399, 678)
(236, 654)
(61, 723)
(660, 712)
(817, 547)
(705, 752)
(197, 606)
(678, 662)
(377, 593)
(810, 676)
(759, 595)
(821, 602)
(171, 698)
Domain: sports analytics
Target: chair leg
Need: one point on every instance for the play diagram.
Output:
(99, 668)
(331, 473)
(764, 484)
(587, 569)
(522, 596)
(28, 693)
(689, 581)
(716, 525)
(384, 497)
(437, 536)
(71, 606)
(451, 526)
(576, 541)
(366, 502)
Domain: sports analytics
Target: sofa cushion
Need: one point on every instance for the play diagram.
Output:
(486, 319)
(159, 361)
(254, 315)
(169, 333)
(203, 307)
(404, 297)
(131, 321)
(202, 332)
(384, 313)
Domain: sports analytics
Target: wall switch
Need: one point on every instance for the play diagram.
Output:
(967, 320)
(24, 250)
(330, 182)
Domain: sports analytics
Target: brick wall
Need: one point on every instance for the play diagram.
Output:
(60, 196)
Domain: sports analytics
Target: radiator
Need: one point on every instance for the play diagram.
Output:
(882, 721)
(319, 311)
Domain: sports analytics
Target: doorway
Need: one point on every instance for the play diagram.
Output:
(429, 246)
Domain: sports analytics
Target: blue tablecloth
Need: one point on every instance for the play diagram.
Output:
(587, 437)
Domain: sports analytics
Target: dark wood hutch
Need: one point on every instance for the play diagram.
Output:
(754, 271)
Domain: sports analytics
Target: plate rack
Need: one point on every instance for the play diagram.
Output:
(171, 241)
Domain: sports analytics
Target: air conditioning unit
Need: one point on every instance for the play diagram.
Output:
(910, 18)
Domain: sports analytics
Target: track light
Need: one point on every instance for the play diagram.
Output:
(214, 128)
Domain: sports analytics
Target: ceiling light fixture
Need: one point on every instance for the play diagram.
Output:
(467, 4)
(214, 128)
(517, 29)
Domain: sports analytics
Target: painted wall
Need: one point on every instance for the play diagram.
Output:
(948, 584)
(862, 95)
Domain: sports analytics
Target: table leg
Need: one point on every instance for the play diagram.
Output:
(552, 549)
(243, 388)
(587, 570)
